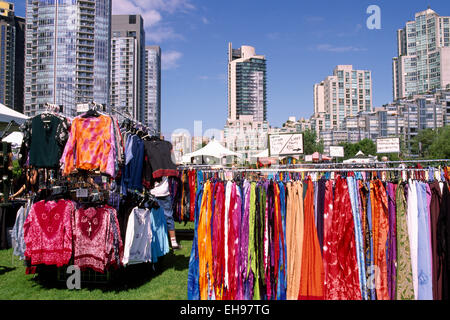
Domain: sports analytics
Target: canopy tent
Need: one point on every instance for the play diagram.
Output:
(360, 157)
(262, 154)
(7, 115)
(14, 138)
(212, 149)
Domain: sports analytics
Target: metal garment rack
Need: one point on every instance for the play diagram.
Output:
(323, 167)
(364, 164)
(152, 130)
(319, 170)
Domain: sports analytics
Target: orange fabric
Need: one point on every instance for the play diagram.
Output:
(381, 214)
(373, 204)
(312, 273)
(206, 277)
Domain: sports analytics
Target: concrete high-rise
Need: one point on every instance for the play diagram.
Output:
(152, 107)
(12, 41)
(423, 55)
(128, 65)
(346, 93)
(246, 84)
(67, 54)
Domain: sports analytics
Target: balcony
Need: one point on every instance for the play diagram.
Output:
(85, 43)
(85, 50)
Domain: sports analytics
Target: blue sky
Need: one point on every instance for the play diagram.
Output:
(303, 41)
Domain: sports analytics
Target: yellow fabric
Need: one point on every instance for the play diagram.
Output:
(204, 243)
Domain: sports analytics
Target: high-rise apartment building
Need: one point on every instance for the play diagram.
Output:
(346, 93)
(152, 107)
(181, 142)
(423, 55)
(12, 40)
(128, 65)
(67, 54)
(246, 84)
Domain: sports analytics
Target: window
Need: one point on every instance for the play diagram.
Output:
(132, 19)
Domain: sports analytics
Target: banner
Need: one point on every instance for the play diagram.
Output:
(285, 144)
(388, 145)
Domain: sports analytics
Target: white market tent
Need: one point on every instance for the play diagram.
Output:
(360, 157)
(212, 149)
(262, 154)
(14, 138)
(8, 114)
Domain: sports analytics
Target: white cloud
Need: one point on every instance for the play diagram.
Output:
(153, 12)
(151, 18)
(160, 34)
(205, 20)
(337, 49)
(124, 7)
(169, 6)
(169, 59)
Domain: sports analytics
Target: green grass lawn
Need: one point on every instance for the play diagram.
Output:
(166, 280)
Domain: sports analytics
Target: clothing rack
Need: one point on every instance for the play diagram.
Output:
(151, 130)
(331, 166)
(367, 164)
(320, 170)
(49, 107)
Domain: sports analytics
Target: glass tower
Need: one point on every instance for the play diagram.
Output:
(423, 62)
(128, 65)
(12, 35)
(246, 84)
(67, 53)
(152, 108)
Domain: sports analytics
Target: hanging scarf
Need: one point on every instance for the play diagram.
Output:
(311, 281)
(252, 269)
(281, 290)
(404, 284)
(294, 238)
(193, 273)
(354, 194)
(218, 244)
(204, 244)
(381, 218)
(243, 293)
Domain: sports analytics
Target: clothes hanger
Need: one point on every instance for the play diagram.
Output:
(91, 113)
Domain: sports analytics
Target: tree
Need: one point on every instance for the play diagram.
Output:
(440, 147)
(422, 141)
(350, 149)
(367, 146)
(310, 144)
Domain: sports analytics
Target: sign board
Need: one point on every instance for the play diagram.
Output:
(285, 144)
(308, 158)
(82, 107)
(336, 152)
(388, 145)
